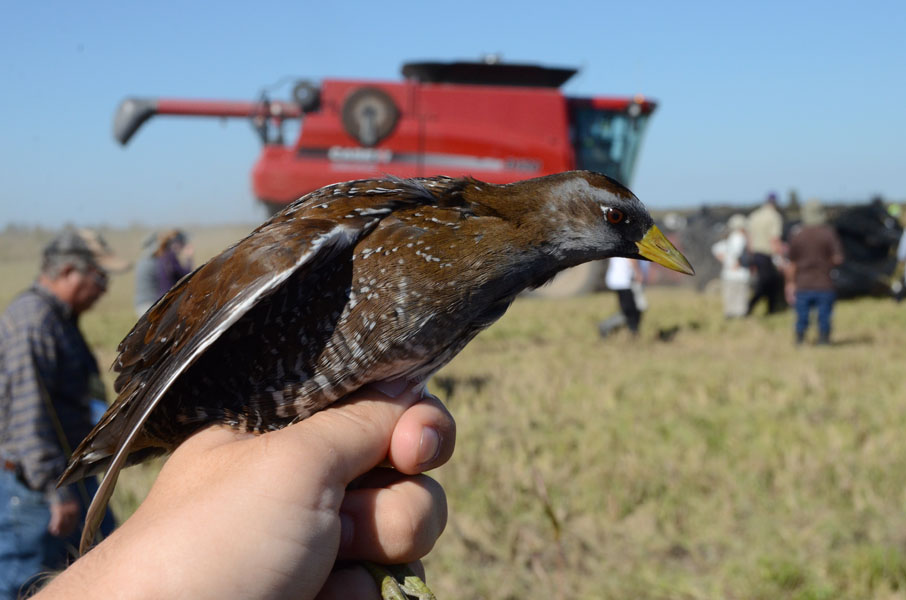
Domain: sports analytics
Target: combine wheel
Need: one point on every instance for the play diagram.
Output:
(369, 115)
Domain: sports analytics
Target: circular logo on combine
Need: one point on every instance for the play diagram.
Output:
(369, 115)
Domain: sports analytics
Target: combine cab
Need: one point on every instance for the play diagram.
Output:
(494, 121)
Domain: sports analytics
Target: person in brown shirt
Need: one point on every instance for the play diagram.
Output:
(814, 251)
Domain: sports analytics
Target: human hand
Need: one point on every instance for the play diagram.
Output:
(789, 291)
(64, 517)
(242, 516)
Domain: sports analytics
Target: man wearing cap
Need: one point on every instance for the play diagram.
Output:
(48, 379)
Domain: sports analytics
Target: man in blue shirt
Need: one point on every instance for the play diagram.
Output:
(48, 380)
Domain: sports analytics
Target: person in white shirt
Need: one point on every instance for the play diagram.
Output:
(899, 287)
(734, 274)
(625, 276)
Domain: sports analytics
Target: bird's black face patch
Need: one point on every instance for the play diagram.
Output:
(626, 217)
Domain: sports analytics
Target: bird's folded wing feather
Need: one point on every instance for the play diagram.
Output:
(190, 318)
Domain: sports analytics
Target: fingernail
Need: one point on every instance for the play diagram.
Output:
(428, 446)
(346, 531)
(391, 388)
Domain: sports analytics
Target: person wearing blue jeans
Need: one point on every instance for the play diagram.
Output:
(49, 380)
(823, 302)
(28, 551)
(814, 251)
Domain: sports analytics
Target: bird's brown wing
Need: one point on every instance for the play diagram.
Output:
(189, 319)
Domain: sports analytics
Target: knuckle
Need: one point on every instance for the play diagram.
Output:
(413, 527)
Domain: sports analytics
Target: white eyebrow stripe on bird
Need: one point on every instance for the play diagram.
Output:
(573, 187)
(338, 237)
(580, 188)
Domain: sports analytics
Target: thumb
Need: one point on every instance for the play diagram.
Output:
(353, 435)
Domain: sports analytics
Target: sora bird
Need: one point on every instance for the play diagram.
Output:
(354, 283)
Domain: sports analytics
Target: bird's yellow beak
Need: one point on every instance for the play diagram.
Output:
(657, 248)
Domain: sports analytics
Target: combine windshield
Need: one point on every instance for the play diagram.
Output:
(607, 141)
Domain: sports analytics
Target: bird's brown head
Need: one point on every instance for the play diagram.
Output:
(592, 216)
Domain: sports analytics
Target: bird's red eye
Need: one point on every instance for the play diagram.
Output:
(614, 216)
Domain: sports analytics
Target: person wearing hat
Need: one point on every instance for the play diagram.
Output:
(165, 259)
(815, 249)
(732, 252)
(48, 380)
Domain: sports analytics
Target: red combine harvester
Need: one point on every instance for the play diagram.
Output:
(494, 121)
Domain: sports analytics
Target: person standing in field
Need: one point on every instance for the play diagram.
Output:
(734, 275)
(165, 259)
(814, 251)
(625, 276)
(49, 379)
(765, 227)
(899, 286)
(174, 259)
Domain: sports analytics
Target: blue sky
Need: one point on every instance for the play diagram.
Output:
(753, 97)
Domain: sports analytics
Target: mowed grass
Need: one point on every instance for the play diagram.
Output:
(724, 463)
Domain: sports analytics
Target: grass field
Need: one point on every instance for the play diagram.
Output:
(726, 463)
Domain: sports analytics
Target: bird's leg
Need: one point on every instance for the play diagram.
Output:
(411, 583)
(398, 582)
